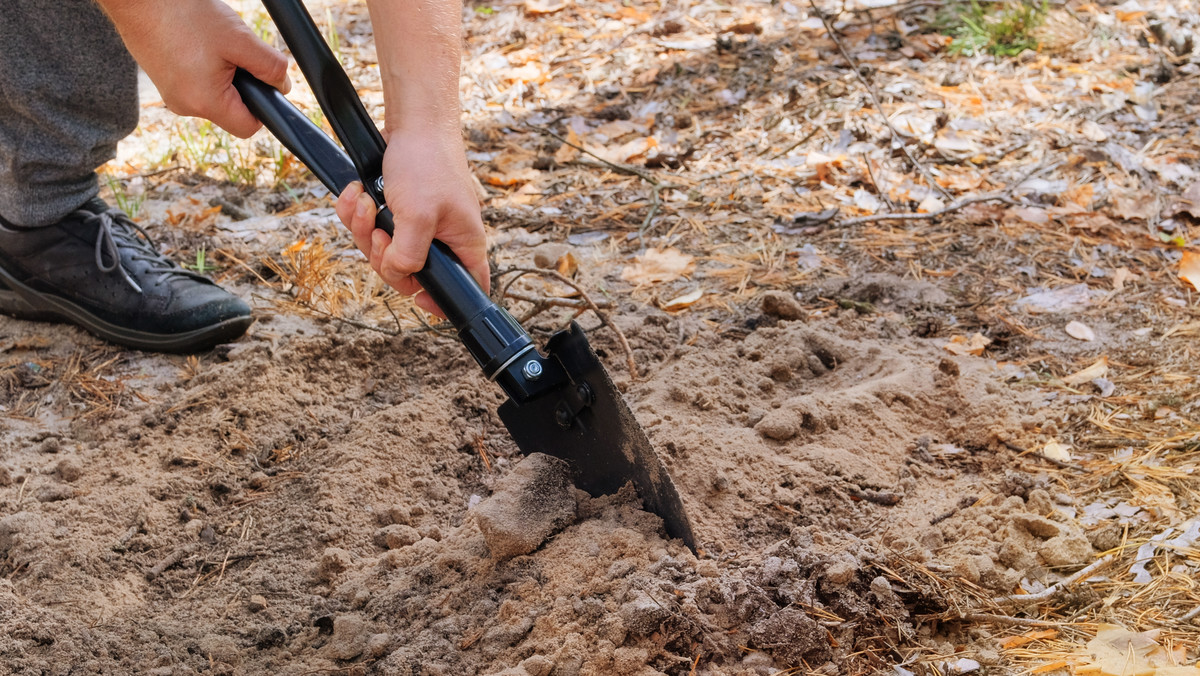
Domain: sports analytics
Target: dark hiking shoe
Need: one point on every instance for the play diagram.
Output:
(97, 269)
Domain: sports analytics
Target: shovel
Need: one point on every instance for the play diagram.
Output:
(562, 402)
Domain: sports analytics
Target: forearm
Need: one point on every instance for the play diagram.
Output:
(419, 50)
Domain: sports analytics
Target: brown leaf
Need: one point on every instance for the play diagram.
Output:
(538, 7)
(962, 346)
(681, 302)
(1189, 269)
(659, 265)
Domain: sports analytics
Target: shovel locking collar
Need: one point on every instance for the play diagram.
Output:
(561, 403)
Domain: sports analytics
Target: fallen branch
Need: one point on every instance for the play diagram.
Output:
(1056, 588)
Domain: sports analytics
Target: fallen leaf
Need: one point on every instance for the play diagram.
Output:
(1093, 132)
(961, 345)
(1189, 268)
(1140, 205)
(1057, 451)
(1096, 370)
(1121, 276)
(537, 7)
(566, 265)
(687, 299)
(930, 204)
(1116, 651)
(659, 265)
(569, 152)
(1080, 331)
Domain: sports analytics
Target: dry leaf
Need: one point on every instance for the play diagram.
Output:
(1189, 269)
(961, 345)
(566, 265)
(1087, 375)
(1121, 276)
(687, 299)
(536, 7)
(1080, 331)
(659, 265)
(568, 152)
(1093, 132)
(1057, 451)
(1116, 651)
(1140, 205)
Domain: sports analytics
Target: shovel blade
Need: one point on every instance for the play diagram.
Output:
(587, 423)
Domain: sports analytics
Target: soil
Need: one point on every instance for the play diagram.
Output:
(306, 500)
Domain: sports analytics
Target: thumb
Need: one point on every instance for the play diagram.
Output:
(261, 60)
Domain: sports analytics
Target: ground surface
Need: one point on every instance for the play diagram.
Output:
(881, 429)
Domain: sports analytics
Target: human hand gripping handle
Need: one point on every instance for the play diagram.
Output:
(190, 49)
(491, 335)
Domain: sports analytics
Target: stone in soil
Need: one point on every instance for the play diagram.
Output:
(529, 505)
(781, 305)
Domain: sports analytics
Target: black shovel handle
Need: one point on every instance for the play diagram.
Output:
(498, 343)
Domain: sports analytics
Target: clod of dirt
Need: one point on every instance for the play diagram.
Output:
(54, 493)
(781, 305)
(257, 480)
(397, 536)
(529, 505)
(257, 603)
(351, 634)
(51, 445)
(68, 470)
(1066, 549)
(333, 563)
(5, 476)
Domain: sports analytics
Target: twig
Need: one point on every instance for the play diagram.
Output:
(553, 301)
(1056, 588)
(591, 305)
(896, 139)
(1190, 615)
(878, 188)
(172, 559)
(429, 327)
(1006, 619)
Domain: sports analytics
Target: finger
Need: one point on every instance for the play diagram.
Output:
(261, 60)
(346, 203)
(425, 302)
(409, 247)
(362, 224)
(230, 114)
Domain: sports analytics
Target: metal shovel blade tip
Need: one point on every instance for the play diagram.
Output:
(587, 423)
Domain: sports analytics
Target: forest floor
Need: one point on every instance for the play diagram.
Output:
(913, 329)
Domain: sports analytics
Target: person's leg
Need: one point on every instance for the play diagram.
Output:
(68, 94)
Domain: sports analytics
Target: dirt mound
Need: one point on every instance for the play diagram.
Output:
(309, 503)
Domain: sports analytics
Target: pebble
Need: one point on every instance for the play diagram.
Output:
(257, 603)
(257, 480)
(350, 637)
(5, 476)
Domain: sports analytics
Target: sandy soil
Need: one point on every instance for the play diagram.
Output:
(304, 501)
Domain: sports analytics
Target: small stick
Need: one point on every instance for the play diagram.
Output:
(555, 302)
(878, 497)
(1006, 619)
(172, 559)
(1191, 615)
(591, 305)
(1053, 590)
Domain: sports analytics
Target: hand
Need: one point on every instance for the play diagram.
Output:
(430, 191)
(190, 49)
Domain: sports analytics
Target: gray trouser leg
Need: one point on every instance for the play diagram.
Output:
(68, 93)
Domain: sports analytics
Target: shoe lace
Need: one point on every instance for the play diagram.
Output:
(114, 230)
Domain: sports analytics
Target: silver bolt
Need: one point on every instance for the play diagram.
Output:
(532, 369)
(379, 184)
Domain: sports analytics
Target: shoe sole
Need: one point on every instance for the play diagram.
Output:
(23, 302)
